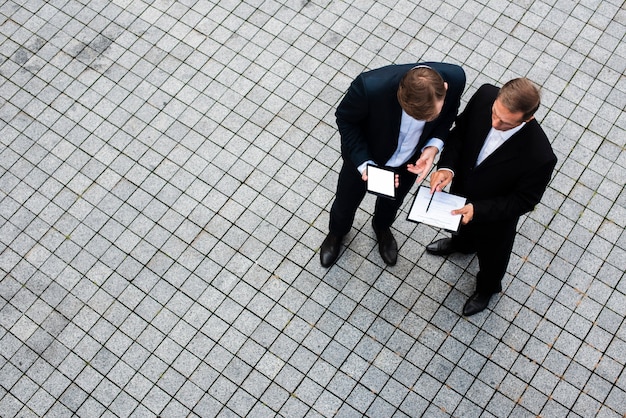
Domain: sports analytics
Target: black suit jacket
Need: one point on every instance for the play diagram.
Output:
(369, 115)
(508, 183)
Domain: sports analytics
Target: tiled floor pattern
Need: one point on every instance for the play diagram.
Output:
(166, 170)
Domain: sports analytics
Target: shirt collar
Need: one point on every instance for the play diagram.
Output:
(510, 132)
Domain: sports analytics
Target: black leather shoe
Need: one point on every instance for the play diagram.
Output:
(329, 251)
(387, 245)
(442, 246)
(478, 302)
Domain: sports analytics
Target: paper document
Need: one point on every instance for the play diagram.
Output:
(381, 181)
(439, 209)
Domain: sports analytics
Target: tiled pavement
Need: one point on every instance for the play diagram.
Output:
(166, 171)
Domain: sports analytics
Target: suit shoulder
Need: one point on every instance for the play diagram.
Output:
(540, 143)
(487, 90)
(386, 71)
(381, 83)
(537, 133)
(450, 69)
(450, 72)
(483, 98)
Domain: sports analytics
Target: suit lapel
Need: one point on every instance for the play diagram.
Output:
(508, 151)
(482, 132)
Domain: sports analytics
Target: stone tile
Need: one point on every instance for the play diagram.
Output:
(193, 181)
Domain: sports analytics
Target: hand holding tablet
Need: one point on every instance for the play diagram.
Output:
(381, 181)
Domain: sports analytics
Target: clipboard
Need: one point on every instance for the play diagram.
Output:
(435, 209)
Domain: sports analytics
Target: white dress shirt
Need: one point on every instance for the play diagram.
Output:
(494, 140)
(410, 132)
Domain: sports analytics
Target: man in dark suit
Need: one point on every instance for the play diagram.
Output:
(499, 158)
(396, 116)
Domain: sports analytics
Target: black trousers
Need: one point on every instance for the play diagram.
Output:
(493, 243)
(351, 190)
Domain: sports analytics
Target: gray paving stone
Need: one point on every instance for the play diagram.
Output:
(241, 402)
(178, 163)
(414, 404)
(11, 404)
(275, 396)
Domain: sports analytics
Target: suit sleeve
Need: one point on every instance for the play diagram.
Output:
(451, 154)
(351, 115)
(524, 195)
(455, 77)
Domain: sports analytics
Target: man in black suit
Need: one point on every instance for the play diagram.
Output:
(499, 158)
(397, 117)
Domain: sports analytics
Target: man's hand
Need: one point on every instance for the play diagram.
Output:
(439, 180)
(467, 211)
(423, 165)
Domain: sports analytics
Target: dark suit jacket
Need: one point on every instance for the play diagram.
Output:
(369, 115)
(508, 183)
